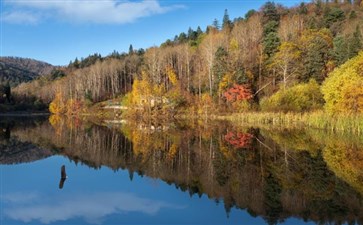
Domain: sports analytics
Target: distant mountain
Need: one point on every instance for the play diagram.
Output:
(17, 70)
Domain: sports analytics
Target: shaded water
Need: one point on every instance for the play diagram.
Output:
(176, 173)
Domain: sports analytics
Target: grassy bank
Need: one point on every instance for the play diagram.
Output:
(319, 120)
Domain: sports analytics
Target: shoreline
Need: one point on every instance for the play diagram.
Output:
(25, 114)
(346, 123)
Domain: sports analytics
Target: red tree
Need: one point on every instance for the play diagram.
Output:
(238, 92)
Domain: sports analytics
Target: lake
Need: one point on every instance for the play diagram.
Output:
(181, 172)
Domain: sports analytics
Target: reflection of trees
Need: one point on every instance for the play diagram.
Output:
(13, 150)
(275, 174)
(344, 156)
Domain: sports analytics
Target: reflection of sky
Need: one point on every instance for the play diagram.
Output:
(30, 195)
(92, 206)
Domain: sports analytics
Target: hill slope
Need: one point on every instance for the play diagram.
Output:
(17, 70)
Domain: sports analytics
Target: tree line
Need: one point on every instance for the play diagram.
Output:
(234, 66)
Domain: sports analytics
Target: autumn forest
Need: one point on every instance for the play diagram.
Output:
(277, 59)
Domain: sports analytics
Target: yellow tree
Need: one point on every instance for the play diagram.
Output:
(141, 90)
(285, 60)
(343, 89)
(57, 106)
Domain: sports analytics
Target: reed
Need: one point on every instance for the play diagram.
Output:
(320, 120)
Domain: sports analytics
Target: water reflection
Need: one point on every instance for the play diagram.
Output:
(92, 207)
(272, 173)
(15, 151)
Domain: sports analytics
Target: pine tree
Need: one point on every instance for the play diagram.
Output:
(356, 43)
(76, 63)
(216, 24)
(199, 31)
(227, 24)
(250, 13)
(131, 50)
(192, 35)
(270, 13)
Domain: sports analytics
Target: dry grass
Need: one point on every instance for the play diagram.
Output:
(319, 120)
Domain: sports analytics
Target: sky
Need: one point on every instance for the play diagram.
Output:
(57, 31)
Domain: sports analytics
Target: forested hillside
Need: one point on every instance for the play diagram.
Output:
(274, 59)
(17, 70)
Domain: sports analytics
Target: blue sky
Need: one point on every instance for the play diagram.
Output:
(57, 31)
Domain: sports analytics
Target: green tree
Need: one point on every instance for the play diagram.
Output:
(270, 27)
(347, 47)
(76, 63)
(216, 24)
(333, 15)
(333, 19)
(131, 50)
(316, 57)
(356, 42)
(220, 67)
(303, 10)
(269, 12)
(199, 31)
(352, 15)
(182, 37)
(227, 23)
(271, 43)
(250, 13)
(192, 35)
(340, 50)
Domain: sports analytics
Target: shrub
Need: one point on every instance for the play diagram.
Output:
(299, 98)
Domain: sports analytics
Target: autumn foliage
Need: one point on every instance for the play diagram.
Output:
(343, 89)
(57, 106)
(237, 93)
(238, 140)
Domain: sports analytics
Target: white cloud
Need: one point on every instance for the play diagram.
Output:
(20, 17)
(19, 197)
(93, 207)
(101, 12)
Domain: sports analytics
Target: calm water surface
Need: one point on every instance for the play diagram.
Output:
(176, 173)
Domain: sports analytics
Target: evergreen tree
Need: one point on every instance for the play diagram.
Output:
(227, 24)
(340, 50)
(270, 20)
(356, 43)
(199, 31)
(333, 15)
(220, 65)
(270, 27)
(76, 63)
(216, 24)
(270, 13)
(131, 50)
(347, 48)
(303, 9)
(192, 35)
(271, 43)
(352, 15)
(317, 54)
(250, 13)
(182, 37)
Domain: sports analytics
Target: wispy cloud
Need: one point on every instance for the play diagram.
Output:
(84, 11)
(92, 209)
(20, 17)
